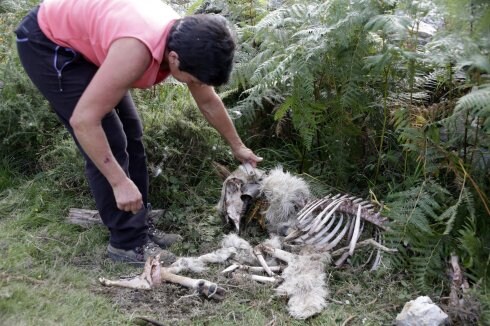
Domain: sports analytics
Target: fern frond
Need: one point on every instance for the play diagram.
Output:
(477, 104)
(411, 209)
(352, 95)
(393, 26)
(428, 263)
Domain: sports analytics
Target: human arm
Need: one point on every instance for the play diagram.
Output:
(215, 113)
(126, 61)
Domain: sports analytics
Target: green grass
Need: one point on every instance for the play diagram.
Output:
(42, 278)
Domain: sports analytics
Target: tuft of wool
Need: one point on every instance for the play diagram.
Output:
(286, 195)
(273, 242)
(304, 285)
(244, 251)
(184, 264)
(198, 264)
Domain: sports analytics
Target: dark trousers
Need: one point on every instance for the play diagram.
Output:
(61, 75)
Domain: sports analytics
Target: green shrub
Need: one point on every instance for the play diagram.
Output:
(26, 123)
(181, 147)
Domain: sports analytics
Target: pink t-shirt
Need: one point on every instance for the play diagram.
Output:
(90, 26)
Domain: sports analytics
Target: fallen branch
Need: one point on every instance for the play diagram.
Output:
(7, 278)
(90, 217)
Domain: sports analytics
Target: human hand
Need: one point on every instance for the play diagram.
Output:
(246, 155)
(128, 196)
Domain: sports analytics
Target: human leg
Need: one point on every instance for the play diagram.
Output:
(62, 75)
(138, 170)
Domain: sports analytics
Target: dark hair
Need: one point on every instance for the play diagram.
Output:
(205, 47)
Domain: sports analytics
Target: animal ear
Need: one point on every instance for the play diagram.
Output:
(221, 171)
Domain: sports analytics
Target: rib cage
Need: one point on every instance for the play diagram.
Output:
(334, 220)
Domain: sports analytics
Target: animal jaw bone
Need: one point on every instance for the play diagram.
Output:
(284, 193)
(240, 188)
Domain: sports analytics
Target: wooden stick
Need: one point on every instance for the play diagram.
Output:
(90, 217)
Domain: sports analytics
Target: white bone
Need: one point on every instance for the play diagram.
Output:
(293, 235)
(331, 234)
(258, 278)
(318, 218)
(204, 287)
(377, 259)
(279, 253)
(253, 269)
(304, 223)
(351, 232)
(230, 269)
(320, 234)
(355, 236)
(361, 244)
(339, 237)
(145, 281)
(309, 208)
(317, 227)
(261, 259)
(342, 259)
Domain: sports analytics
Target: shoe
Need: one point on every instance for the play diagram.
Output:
(164, 240)
(140, 254)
